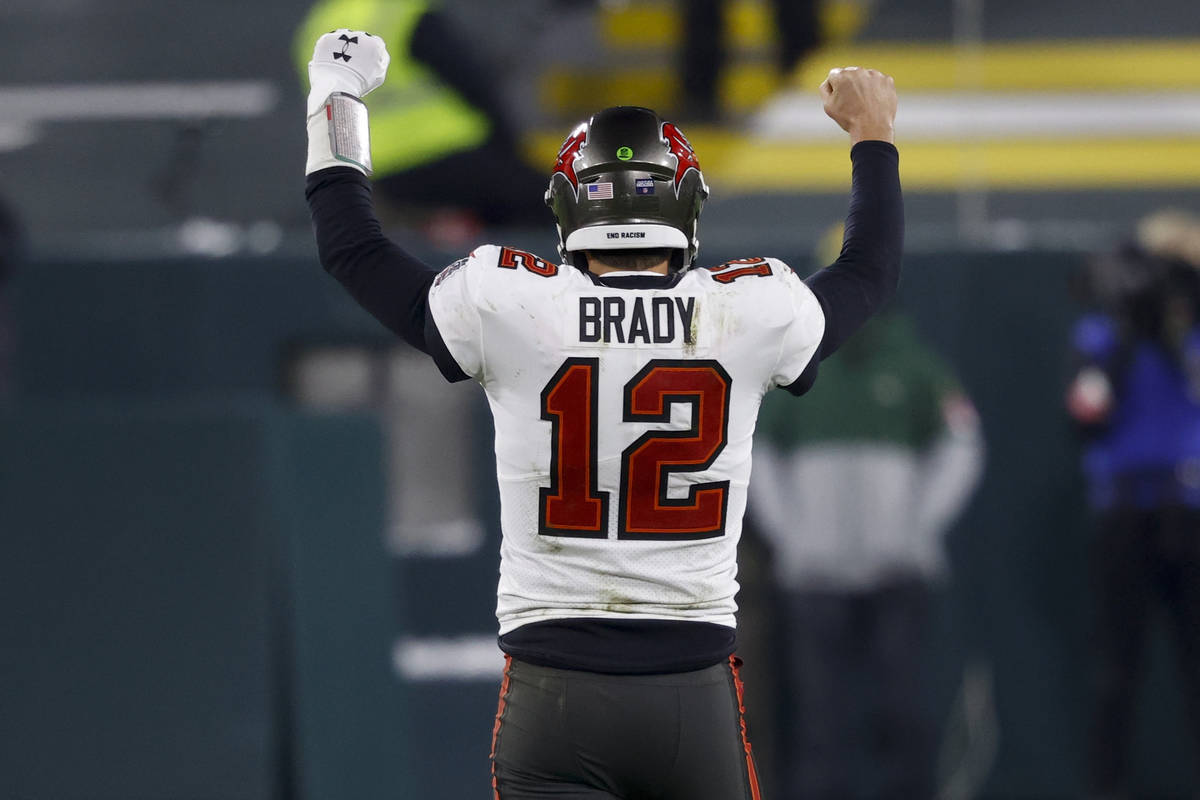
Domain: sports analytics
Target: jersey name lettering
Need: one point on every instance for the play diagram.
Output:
(635, 320)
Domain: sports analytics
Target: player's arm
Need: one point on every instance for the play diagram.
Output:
(952, 465)
(387, 281)
(866, 273)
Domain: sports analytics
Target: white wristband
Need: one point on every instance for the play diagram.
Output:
(339, 135)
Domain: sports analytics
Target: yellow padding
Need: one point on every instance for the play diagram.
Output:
(749, 24)
(1014, 165)
(641, 25)
(580, 93)
(1095, 64)
(735, 164)
(1100, 66)
(742, 88)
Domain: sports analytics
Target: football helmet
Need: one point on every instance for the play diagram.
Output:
(626, 179)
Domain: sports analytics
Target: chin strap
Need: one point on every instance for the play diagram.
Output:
(677, 262)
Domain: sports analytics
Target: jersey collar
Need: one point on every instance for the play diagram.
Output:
(635, 280)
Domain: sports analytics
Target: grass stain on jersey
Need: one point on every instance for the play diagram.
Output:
(693, 338)
(618, 603)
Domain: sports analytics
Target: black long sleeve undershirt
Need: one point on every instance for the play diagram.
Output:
(867, 270)
(866, 273)
(383, 277)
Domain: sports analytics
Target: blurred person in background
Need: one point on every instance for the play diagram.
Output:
(704, 51)
(12, 247)
(445, 152)
(1135, 395)
(853, 497)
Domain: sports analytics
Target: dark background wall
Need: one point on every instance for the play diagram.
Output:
(196, 598)
(198, 602)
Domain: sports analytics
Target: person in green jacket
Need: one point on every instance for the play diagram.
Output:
(440, 138)
(852, 497)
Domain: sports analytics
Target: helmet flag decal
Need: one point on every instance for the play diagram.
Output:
(681, 148)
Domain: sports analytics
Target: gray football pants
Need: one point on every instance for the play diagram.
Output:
(587, 736)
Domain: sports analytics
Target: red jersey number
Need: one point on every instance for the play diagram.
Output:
(572, 505)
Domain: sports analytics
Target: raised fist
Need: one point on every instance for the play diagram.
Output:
(862, 101)
(354, 62)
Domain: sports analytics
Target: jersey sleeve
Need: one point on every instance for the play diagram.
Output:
(802, 335)
(454, 314)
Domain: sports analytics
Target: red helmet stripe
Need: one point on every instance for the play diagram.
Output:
(681, 148)
(565, 163)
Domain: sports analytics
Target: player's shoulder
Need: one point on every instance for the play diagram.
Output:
(515, 263)
(745, 272)
(765, 290)
(757, 276)
(502, 267)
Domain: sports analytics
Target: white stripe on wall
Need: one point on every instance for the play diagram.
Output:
(158, 100)
(459, 658)
(798, 116)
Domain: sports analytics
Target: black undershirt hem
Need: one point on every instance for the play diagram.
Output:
(620, 646)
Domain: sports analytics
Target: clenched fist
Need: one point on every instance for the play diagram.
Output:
(862, 101)
(354, 62)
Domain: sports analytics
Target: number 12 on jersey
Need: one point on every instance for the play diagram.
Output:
(572, 505)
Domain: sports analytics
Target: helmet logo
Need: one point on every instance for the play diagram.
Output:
(624, 153)
(681, 148)
(565, 163)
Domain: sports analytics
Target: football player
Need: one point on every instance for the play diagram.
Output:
(624, 381)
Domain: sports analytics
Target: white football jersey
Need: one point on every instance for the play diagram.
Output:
(623, 424)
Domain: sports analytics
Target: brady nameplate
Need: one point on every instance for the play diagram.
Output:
(635, 319)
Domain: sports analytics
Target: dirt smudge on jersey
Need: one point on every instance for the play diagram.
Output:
(615, 603)
(693, 338)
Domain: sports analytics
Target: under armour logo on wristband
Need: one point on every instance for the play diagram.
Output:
(346, 42)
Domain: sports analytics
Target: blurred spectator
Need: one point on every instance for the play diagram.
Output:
(440, 137)
(704, 55)
(853, 495)
(1136, 396)
(12, 246)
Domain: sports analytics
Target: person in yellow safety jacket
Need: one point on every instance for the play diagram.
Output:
(439, 136)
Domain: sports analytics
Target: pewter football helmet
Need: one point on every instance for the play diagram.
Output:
(626, 179)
